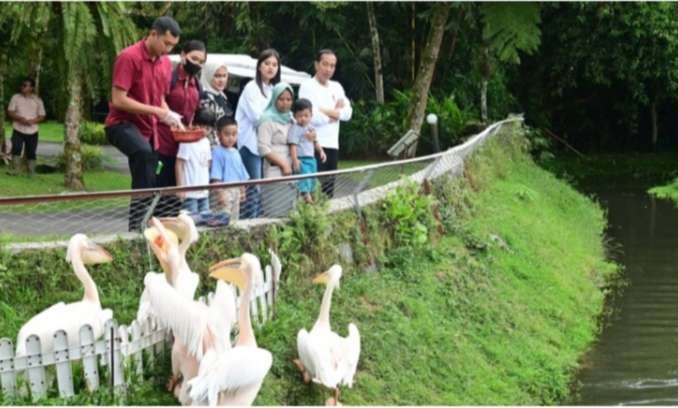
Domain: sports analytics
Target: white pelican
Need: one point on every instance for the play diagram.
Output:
(182, 230)
(188, 319)
(234, 376)
(70, 317)
(324, 356)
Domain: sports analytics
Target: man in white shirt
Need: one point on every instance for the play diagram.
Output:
(26, 110)
(330, 105)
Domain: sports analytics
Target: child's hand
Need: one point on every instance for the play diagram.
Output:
(311, 135)
(181, 195)
(286, 169)
(243, 194)
(323, 157)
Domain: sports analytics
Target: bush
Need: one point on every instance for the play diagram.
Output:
(92, 133)
(375, 128)
(92, 158)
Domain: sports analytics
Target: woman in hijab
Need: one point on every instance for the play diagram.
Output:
(272, 128)
(213, 103)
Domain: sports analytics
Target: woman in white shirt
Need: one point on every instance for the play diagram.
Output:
(252, 102)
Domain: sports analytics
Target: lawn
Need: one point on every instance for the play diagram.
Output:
(53, 183)
(50, 131)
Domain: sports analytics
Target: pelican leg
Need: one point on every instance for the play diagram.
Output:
(172, 383)
(334, 400)
(304, 373)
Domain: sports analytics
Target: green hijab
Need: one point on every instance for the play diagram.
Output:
(271, 113)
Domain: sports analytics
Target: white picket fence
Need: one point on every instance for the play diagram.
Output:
(118, 350)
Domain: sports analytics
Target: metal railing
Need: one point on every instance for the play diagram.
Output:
(113, 214)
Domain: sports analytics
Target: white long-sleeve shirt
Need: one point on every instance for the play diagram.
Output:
(250, 107)
(326, 96)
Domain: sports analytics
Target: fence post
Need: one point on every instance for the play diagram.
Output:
(7, 373)
(269, 289)
(137, 356)
(146, 331)
(63, 364)
(114, 357)
(36, 372)
(89, 358)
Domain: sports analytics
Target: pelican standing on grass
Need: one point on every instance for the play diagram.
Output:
(324, 356)
(195, 325)
(72, 316)
(234, 376)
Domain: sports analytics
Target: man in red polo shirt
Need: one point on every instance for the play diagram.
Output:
(141, 79)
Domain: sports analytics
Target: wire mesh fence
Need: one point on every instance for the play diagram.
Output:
(123, 213)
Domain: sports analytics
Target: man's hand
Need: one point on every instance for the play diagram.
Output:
(173, 120)
(333, 114)
(339, 104)
(286, 169)
(295, 164)
(323, 157)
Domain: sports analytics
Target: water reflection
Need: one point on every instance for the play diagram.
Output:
(636, 359)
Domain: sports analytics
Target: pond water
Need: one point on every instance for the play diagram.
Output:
(635, 361)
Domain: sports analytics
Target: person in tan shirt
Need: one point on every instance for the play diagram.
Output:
(26, 110)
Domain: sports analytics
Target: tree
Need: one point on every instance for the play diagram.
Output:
(376, 52)
(508, 29)
(429, 57)
(80, 28)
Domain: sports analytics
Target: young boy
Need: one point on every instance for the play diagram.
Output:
(193, 169)
(303, 145)
(227, 166)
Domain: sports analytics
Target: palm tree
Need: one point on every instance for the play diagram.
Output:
(88, 36)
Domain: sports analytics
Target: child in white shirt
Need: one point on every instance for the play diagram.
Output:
(193, 169)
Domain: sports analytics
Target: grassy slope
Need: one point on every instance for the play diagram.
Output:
(53, 183)
(496, 312)
(499, 315)
(669, 191)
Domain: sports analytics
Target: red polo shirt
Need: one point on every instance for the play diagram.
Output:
(146, 80)
(183, 99)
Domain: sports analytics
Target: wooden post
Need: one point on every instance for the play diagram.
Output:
(62, 362)
(36, 372)
(89, 358)
(7, 373)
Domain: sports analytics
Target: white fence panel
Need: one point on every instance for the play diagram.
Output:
(63, 364)
(7, 373)
(89, 358)
(36, 371)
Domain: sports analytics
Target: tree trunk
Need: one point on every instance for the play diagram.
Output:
(413, 44)
(3, 68)
(429, 57)
(73, 178)
(376, 53)
(486, 73)
(655, 131)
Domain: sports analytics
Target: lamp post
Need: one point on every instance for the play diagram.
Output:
(432, 119)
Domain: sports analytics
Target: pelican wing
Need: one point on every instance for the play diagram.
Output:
(230, 371)
(187, 319)
(350, 352)
(317, 358)
(222, 309)
(187, 283)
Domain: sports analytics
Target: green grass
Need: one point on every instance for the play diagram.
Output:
(498, 310)
(50, 131)
(669, 191)
(53, 183)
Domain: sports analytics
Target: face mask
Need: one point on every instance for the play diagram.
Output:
(191, 68)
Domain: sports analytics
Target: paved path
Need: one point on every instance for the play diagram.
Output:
(113, 159)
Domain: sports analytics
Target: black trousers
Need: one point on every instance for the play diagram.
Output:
(327, 183)
(168, 205)
(142, 161)
(20, 139)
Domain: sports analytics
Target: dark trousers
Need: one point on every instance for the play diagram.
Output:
(142, 161)
(252, 208)
(20, 139)
(327, 182)
(168, 205)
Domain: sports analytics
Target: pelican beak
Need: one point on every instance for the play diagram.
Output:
(95, 254)
(229, 271)
(175, 225)
(158, 237)
(322, 278)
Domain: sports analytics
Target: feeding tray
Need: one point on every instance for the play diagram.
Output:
(189, 135)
